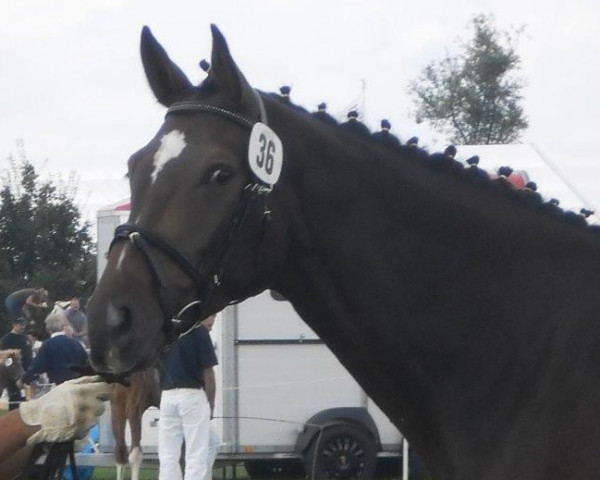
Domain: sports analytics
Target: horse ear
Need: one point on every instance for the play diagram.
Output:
(166, 79)
(229, 78)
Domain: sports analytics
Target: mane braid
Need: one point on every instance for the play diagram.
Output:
(498, 186)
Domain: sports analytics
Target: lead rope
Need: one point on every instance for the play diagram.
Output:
(56, 460)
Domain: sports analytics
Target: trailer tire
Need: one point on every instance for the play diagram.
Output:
(341, 451)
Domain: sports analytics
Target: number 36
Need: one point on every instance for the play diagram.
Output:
(265, 159)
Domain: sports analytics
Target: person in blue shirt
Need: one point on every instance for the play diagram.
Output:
(187, 381)
(57, 354)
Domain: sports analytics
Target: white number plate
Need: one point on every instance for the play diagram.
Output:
(265, 153)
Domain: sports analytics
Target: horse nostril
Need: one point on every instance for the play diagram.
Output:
(120, 320)
(126, 320)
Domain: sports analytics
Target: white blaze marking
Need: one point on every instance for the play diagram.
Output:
(171, 145)
(121, 256)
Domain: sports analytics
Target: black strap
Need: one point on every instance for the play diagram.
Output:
(201, 107)
(144, 239)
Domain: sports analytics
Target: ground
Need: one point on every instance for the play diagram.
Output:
(152, 474)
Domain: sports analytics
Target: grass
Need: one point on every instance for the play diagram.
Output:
(101, 473)
(222, 473)
(229, 472)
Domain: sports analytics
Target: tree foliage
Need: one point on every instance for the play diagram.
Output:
(43, 240)
(475, 96)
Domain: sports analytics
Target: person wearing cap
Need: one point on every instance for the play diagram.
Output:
(26, 296)
(385, 136)
(354, 125)
(65, 413)
(16, 339)
(322, 115)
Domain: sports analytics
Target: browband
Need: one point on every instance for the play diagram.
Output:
(236, 117)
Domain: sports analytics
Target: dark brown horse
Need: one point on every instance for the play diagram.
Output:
(128, 404)
(466, 311)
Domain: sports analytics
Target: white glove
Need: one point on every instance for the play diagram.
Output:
(68, 411)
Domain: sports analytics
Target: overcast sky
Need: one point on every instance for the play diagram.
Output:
(72, 85)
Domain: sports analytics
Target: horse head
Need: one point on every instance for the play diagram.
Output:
(196, 235)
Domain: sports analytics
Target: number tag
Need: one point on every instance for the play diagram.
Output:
(265, 153)
(8, 362)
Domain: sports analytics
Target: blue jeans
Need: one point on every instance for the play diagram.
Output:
(14, 306)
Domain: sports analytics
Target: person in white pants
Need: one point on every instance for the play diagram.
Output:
(188, 394)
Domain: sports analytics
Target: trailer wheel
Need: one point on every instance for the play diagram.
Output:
(341, 451)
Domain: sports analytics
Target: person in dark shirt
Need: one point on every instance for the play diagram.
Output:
(187, 381)
(57, 354)
(30, 296)
(15, 339)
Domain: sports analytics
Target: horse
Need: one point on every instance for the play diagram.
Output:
(11, 368)
(463, 308)
(128, 404)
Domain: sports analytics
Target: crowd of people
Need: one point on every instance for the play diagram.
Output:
(46, 362)
(73, 404)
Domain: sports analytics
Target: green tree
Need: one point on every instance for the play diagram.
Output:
(43, 240)
(475, 96)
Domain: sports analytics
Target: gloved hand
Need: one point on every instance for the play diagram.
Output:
(68, 411)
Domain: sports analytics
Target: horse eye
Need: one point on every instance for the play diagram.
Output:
(220, 176)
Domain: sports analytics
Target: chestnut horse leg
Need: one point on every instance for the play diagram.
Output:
(118, 406)
(135, 455)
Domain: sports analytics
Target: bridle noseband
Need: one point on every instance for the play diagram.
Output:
(205, 279)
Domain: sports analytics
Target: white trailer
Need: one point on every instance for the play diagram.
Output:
(283, 399)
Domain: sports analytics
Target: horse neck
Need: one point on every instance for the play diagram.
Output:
(412, 275)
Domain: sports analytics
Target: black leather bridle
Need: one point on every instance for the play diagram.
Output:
(205, 280)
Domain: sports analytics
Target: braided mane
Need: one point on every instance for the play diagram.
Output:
(439, 161)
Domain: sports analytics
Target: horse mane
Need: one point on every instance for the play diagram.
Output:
(439, 161)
